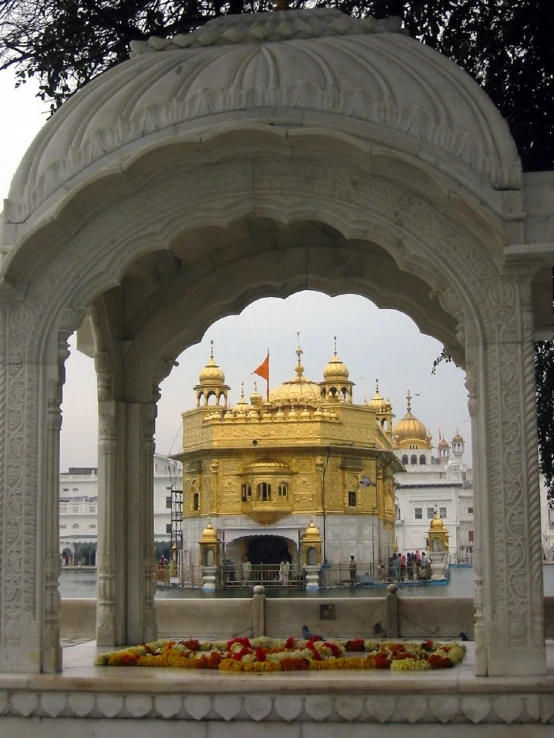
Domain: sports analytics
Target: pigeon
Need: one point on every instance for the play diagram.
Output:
(308, 635)
(463, 636)
(365, 481)
(378, 630)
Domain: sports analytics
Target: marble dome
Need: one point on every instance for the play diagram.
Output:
(312, 68)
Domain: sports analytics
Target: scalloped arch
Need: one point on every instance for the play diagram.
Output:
(382, 86)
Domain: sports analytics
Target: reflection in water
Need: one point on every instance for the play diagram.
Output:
(81, 583)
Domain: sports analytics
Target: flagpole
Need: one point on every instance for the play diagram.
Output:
(267, 374)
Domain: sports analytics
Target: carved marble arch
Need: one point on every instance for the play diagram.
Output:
(185, 234)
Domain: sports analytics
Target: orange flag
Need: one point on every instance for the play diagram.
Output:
(263, 369)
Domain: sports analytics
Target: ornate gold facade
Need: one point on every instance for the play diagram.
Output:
(308, 450)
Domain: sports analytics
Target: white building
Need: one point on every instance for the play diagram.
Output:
(79, 506)
(431, 482)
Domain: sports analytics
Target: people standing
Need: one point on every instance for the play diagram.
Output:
(402, 564)
(353, 569)
(284, 570)
(395, 566)
(245, 570)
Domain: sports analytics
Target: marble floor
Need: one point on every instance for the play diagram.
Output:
(124, 701)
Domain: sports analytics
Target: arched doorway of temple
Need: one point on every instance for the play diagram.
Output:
(267, 550)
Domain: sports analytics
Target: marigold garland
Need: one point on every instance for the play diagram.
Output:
(270, 654)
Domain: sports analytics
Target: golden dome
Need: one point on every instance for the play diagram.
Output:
(298, 390)
(443, 443)
(458, 438)
(377, 401)
(242, 406)
(436, 523)
(312, 532)
(255, 398)
(335, 369)
(208, 534)
(212, 373)
(410, 426)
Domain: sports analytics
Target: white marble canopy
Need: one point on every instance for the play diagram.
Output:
(310, 65)
(259, 156)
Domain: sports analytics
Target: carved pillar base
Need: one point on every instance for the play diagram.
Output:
(312, 577)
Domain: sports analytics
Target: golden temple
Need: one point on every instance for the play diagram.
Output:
(262, 470)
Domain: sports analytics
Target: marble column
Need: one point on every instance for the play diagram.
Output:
(141, 575)
(509, 554)
(110, 556)
(51, 649)
(23, 409)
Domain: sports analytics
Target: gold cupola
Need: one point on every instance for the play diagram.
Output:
(242, 406)
(383, 410)
(255, 398)
(211, 383)
(443, 447)
(438, 534)
(209, 546)
(312, 545)
(336, 385)
(298, 390)
(411, 433)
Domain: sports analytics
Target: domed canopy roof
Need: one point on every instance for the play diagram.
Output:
(437, 523)
(209, 535)
(312, 532)
(410, 426)
(335, 370)
(458, 438)
(211, 373)
(298, 390)
(242, 405)
(246, 67)
(377, 401)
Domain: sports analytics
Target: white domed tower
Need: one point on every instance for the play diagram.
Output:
(458, 445)
(443, 449)
(336, 385)
(211, 383)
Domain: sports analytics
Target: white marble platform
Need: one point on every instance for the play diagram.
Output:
(114, 701)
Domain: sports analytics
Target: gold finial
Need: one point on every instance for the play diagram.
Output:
(409, 401)
(255, 386)
(335, 340)
(211, 350)
(377, 386)
(282, 5)
(242, 391)
(299, 352)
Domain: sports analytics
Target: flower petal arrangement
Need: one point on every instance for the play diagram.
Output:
(270, 654)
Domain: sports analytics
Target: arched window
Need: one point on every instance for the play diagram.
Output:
(264, 491)
(384, 424)
(312, 556)
(422, 459)
(413, 459)
(397, 512)
(246, 492)
(405, 459)
(283, 489)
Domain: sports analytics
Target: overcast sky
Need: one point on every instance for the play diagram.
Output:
(373, 343)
